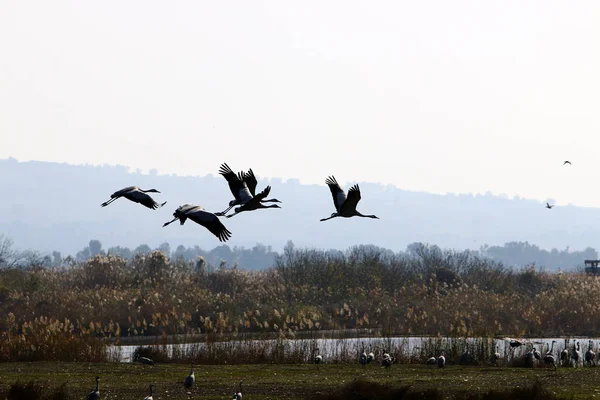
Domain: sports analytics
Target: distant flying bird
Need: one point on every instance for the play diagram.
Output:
(567, 162)
(136, 195)
(242, 186)
(548, 206)
(345, 205)
(202, 217)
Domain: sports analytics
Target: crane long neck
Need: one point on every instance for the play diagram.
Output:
(364, 216)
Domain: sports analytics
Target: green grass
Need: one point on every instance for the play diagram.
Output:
(130, 381)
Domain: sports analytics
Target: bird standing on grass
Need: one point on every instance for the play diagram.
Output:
(363, 356)
(318, 358)
(202, 217)
(345, 205)
(370, 356)
(576, 355)
(144, 360)
(387, 361)
(149, 397)
(496, 355)
(136, 195)
(190, 379)
(590, 355)
(549, 357)
(238, 395)
(431, 361)
(441, 360)
(95, 394)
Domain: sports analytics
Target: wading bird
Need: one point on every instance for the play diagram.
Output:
(345, 205)
(94, 394)
(242, 186)
(136, 195)
(202, 217)
(190, 379)
(254, 203)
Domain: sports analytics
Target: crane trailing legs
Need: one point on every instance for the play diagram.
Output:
(345, 205)
(136, 195)
(242, 186)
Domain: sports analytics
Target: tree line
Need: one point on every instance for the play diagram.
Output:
(260, 256)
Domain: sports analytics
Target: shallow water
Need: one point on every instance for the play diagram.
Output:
(401, 347)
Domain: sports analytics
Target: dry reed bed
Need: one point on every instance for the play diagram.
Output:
(66, 313)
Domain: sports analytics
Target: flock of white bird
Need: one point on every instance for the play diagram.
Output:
(243, 188)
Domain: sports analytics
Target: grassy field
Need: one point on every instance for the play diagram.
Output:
(130, 381)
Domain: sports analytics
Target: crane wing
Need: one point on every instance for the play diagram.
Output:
(352, 200)
(142, 198)
(238, 187)
(250, 180)
(211, 222)
(339, 197)
(122, 192)
(253, 203)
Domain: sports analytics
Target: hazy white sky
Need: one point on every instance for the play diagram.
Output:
(440, 96)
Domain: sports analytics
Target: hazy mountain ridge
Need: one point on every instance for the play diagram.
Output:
(51, 206)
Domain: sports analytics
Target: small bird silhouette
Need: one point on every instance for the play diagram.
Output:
(567, 162)
(548, 206)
